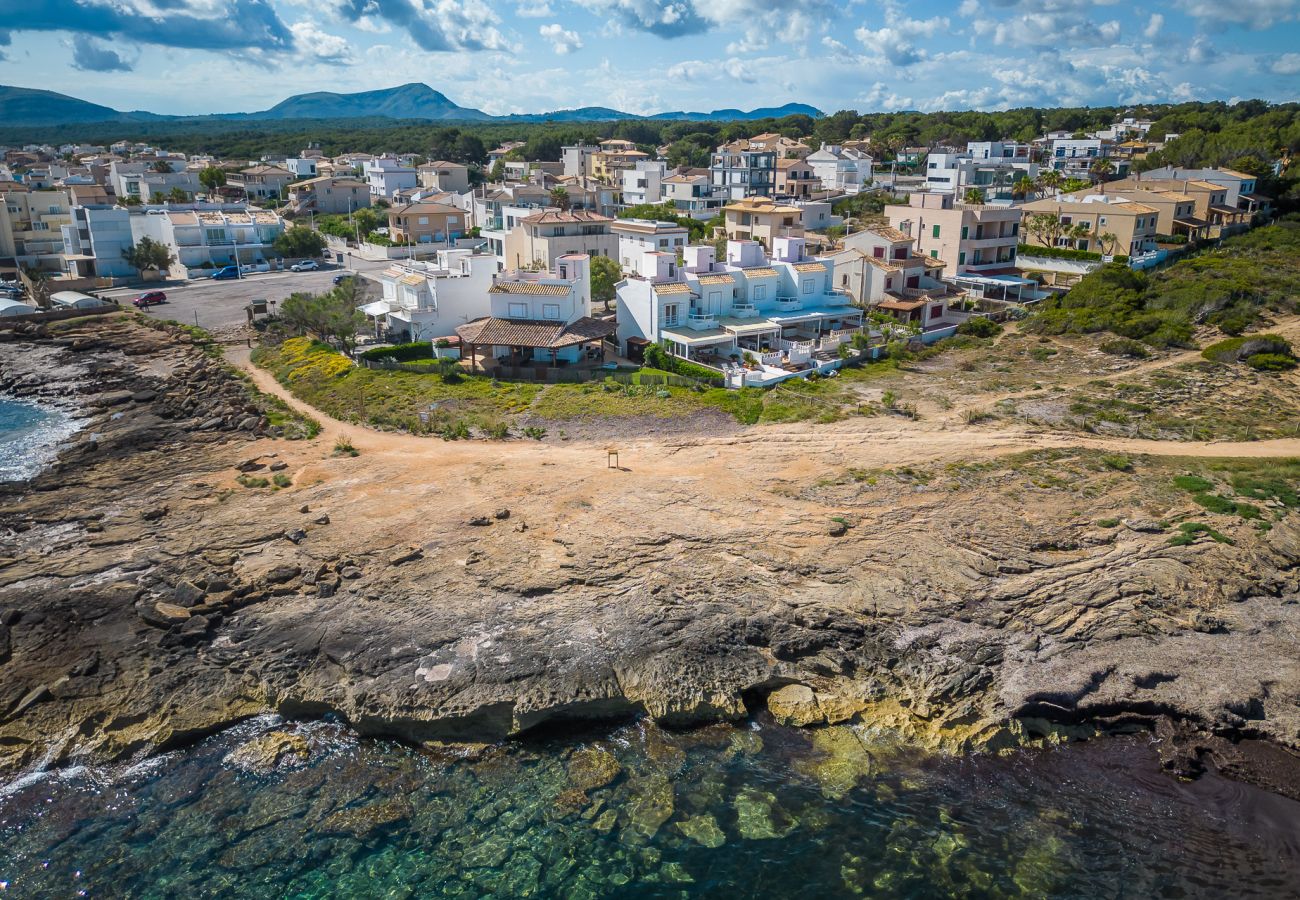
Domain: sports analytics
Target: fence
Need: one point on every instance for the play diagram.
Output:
(55, 315)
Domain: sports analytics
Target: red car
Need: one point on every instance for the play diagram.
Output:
(150, 298)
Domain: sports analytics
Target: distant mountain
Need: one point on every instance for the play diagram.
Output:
(736, 115)
(407, 101)
(31, 107)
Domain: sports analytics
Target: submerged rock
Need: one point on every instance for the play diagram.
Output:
(277, 749)
(757, 816)
(703, 830)
(842, 761)
(593, 768)
(651, 806)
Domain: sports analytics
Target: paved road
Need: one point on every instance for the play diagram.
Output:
(220, 304)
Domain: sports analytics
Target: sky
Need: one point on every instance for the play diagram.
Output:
(645, 56)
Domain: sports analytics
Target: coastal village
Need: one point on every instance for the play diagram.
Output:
(778, 260)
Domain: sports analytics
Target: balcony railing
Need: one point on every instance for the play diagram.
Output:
(744, 310)
(701, 321)
(788, 304)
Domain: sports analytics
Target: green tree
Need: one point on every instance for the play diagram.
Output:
(1049, 181)
(1046, 227)
(332, 316)
(1100, 170)
(299, 241)
(560, 197)
(1023, 187)
(470, 149)
(497, 173)
(178, 195)
(973, 195)
(212, 177)
(148, 254)
(161, 166)
(605, 275)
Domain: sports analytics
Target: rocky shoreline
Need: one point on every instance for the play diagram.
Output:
(148, 596)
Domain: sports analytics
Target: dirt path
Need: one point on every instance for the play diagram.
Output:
(737, 462)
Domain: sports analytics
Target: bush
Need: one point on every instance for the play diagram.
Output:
(1193, 484)
(536, 432)
(1236, 349)
(1188, 532)
(1215, 503)
(1058, 253)
(414, 352)
(979, 326)
(281, 480)
(1270, 362)
(343, 447)
(1125, 347)
(1117, 462)
(249, 481)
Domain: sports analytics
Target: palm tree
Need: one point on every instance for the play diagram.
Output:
(1049, 180)
(1101, 169)
(974, 196)
(1023, 187)
(1108, 241)
(560, 198)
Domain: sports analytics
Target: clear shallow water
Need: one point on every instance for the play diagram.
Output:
(770, 812)
(29, 435)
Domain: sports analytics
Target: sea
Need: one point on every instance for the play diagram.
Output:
(754, 810)
(29, 436)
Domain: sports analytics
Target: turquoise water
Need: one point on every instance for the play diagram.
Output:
(720, 812)
(28, 435)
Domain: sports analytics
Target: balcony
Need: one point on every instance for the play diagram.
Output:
(788, 304)
(743, 309)
(701, 321)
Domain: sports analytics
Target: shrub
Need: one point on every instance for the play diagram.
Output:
(498, 431)
(281, 480)
(343, 447)
(1117, 462)
(454, 431)
(415, 352)
(1058, 253)
(975, 416)
(1235, 349)
(249, 481)
(979, 326)
(1188, 532)
(1193, 484)
(1107, 523)
(1215, 503)
(536, 432)
(1270, 362)
(1125, 347)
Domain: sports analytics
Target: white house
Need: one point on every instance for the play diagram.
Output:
(993, 174)
(386, 176)
(841, 168)
(879, 270)
(644, 184)
(206, 237)
(636, 237)
(302, 168)
(95, 240)
(426, 300)
(777, 317)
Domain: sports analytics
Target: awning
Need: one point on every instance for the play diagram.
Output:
(1227, 210)
(377, 308)
(694, 338)
(747, 326)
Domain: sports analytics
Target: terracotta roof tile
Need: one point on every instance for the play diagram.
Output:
(496, 332)
(810, 267)
(759, 272)
(717, 279)
(672, 287)
(529, 287)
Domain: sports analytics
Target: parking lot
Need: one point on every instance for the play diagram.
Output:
(218, 305)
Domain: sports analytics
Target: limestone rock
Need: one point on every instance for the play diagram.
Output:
(593, 768)
(703, 830)
(276, 749)
(795, 704)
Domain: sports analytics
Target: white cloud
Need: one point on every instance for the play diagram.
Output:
(314, 44)
(1256, 14)
(1286, 64)
(533, 9)
(897, 41)
(739, 70)
(561, 40)
(1201, 51)
(968, 9)
(690, 70)
(1154, 24)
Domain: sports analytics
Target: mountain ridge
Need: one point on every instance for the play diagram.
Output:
(24, 107)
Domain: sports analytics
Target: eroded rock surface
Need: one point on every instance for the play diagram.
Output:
(147, 596)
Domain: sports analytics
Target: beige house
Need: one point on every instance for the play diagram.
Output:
(328, 196)
(761, 219)
(425, 223)
(31, 228)
(1212, 203)
(1175, 213)
(260, 182)
(880, 270)
(613, 157)
(784, 147)
(1132, 225)
(442, 175)
(542, 238)
(795, 178)
(966, 237)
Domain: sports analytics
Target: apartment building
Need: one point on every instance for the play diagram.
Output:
(613, 158)
(779, 312)
(1098, 223)
(782, 146)
(796, 178)
(31, 228)
(841, 169)
(1073, 157)
(211, 237)
(327, 196)
(637, 237)
(426, 222)
(737, 171)
(1175, 213)
(994, 175)
(691, 194)
(441, 175)
(1241, 188)
(95, 239)
(137, 181)
(260, 182)
(1211, 200)
(763, 220)
(577, 159)
(303, 167)
(538, 240)
(966, 237)
(386, 176)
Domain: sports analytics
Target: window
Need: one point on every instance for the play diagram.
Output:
(965, 231)
(518, 310)
(1101, 220)
(878, 252)
(550, 311)
(1015, 228)
(961, 258)
(935, 231)
(934, 254)
(760, 292)
(809, 284)
(670, 313)
(422, 220)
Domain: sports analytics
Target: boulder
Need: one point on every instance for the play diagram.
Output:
(164, 615)
(277, 749)
(795, 704)
(593, 768)
(187, 593)
(281, 574)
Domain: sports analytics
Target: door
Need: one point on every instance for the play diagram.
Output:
(715, 303)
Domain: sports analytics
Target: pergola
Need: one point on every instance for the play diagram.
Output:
(531, 334)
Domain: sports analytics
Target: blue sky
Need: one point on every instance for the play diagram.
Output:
(503, 56)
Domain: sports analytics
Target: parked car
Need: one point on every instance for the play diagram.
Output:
(150, 298)
(344, 276)
(307, 265)
(225, 272)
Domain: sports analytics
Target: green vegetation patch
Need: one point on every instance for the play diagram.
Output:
(1188, 532)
